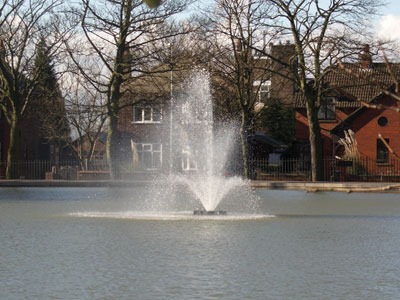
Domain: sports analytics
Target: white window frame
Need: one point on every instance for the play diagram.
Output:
(264, 89)
(152, 112)
(144, 149)
(189, 163)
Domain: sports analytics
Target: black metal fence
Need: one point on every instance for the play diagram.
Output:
(288, 169)
(362, 169)
(70, 170)
(39, 169)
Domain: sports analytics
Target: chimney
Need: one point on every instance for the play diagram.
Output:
(366, 58)
(283, 52)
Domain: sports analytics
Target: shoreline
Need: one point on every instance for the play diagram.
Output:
(348, 187)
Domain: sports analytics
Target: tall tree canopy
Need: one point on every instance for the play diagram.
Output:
(235, 32)
(323, 32)
(22, 25)
(48, 105)
(124, 39)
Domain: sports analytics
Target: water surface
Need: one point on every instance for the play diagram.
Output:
(70, 243)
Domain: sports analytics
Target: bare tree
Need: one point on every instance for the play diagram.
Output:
(322, 32)
(236, 30)
(86, 115)
(123, 38)
(22, 26)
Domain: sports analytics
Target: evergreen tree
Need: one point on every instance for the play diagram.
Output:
(18, 86)
(44, 70)
(279, 121)
(48, 107)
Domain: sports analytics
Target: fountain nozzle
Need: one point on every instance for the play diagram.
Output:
(203, 212)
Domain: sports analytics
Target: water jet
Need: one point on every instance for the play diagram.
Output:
(200, 157)
(205, 149)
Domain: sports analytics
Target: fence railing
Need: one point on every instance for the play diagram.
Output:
(362, 169)
(41, 169)
(288, 169)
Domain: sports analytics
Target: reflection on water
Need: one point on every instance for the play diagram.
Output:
(320, 246)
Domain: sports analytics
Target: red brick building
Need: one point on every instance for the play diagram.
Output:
(357, 99)
(144, 121)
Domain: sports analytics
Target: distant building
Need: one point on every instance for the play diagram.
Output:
(356, 99)
(144, 123)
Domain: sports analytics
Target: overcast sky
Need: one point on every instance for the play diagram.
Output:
(388, 25)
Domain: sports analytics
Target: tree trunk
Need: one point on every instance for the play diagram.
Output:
(13, 146)
(113, 110)
(112, 142)
(315, 141)
(244, 144)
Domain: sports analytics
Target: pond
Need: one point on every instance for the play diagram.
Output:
(103, 243)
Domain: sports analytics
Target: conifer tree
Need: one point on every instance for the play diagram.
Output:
(22, 23)
(48, 106)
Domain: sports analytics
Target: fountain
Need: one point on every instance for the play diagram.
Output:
(197, 186)
(205, 149)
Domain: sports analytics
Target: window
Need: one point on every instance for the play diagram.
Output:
(383, 121)
(98, 155)
(327, 109)
(150, 156)
(382, 152)
(188, 160)
(146, 114)
(264, 89)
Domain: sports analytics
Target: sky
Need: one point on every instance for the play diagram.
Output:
(388, 25)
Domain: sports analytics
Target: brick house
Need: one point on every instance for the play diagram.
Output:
(276, 84)
(144, 121)
(33, 146)
(355, 99)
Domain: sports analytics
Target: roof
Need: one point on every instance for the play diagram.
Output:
(363, 84)
(345, 123)
(352, 83)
